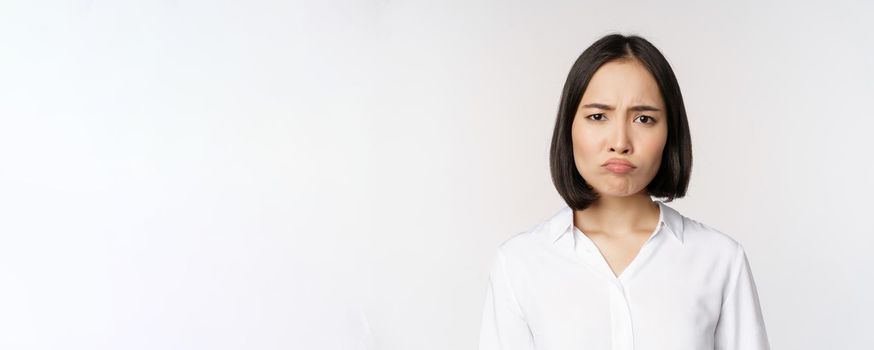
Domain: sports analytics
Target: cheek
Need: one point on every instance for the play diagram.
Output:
(654, 146)
(652, 150)
(585, 144)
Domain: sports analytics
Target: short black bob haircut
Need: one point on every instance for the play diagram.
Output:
(672, 178)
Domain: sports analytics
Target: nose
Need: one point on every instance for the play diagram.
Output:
(621, 144)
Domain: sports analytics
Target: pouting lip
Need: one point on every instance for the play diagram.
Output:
(618, 161)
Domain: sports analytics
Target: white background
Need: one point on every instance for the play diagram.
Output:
(336, 175)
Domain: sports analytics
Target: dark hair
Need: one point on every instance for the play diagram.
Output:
(672, 178)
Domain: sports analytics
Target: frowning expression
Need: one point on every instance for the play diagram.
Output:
(621, 115)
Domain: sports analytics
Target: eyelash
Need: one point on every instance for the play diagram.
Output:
(602, 114)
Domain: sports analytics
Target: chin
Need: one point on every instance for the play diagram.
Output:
(619, 193)
(613, 193)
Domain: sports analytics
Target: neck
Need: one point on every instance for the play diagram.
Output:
(618, 215)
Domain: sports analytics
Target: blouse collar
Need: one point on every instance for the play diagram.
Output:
(561, 222)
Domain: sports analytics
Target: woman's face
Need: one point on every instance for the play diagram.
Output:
(621, 115)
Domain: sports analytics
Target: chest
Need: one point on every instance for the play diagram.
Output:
(576, 306)
(619, 252)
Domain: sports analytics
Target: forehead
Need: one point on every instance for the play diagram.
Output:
(623, 80)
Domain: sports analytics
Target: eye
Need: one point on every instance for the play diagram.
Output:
(593, 115)
(650, 119)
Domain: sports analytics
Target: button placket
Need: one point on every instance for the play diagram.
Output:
(622, 333)
(622, 327)
(620, 315)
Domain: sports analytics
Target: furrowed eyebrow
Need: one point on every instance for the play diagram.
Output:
(638, 108)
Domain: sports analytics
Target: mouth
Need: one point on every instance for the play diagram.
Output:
(618, 168)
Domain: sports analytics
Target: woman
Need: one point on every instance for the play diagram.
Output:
(614, 269)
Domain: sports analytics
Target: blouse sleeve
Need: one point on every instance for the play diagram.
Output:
(740, 324)
(503, 324)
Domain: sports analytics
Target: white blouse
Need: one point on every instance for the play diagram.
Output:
(690, 287)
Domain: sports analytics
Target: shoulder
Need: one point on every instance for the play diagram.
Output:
(710, 240)
(523, 244)
(523, 241)
(519, 252)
